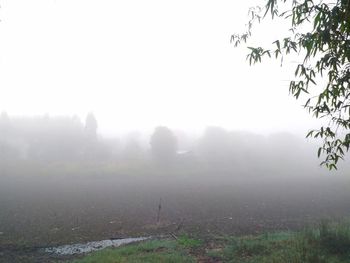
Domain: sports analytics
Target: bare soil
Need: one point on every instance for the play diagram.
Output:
(45, 211)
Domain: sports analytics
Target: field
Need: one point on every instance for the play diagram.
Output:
(40, 211)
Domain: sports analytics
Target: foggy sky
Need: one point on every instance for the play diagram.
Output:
(138, 64)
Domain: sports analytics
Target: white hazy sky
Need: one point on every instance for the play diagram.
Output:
(137, 64)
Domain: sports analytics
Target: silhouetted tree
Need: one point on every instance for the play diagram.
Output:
(53, 138)
(91, 126)
(132, 150)
(4, 125)
(215, 145)
(8, 151)
(319, 32)
(163, 144)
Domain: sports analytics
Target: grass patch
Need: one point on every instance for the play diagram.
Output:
(328, 243)
(190, 243)
(151, 251)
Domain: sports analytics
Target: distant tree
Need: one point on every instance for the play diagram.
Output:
(4, 116)
(215, 145)
(4, 125)
(91, 126)
(320, 32)
(163, 144)
(57, 138)
(8, 152)
(132, 150)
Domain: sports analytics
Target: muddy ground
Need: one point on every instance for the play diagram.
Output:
(41, 211)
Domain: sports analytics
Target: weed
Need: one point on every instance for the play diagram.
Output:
(187, 242)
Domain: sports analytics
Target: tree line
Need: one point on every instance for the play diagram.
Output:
(46, 139)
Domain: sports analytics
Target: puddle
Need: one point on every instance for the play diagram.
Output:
(91, 246)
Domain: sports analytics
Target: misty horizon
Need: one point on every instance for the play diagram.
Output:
(124, 131)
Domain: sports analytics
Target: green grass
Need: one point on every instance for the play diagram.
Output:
(190, 243)
(327, 243)
(151, 251)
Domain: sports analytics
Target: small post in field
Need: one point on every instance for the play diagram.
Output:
(159, 209)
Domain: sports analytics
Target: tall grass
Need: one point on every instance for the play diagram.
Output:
(328, 242)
